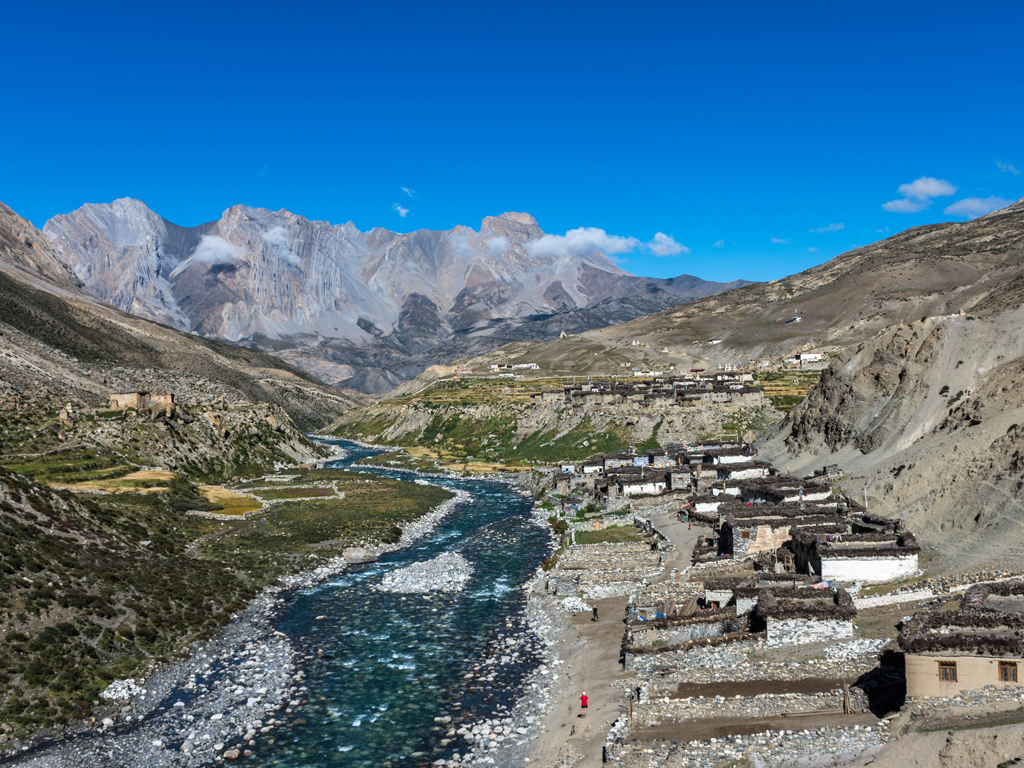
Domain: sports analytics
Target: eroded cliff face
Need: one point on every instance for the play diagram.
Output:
(362, 309)
(23, 245)
(926, 417)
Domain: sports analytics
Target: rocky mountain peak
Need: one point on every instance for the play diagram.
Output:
(519, 226)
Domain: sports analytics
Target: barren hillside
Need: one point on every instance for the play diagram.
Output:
(927, 418)
(976, 266)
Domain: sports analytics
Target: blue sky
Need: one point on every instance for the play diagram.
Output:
(738, 129)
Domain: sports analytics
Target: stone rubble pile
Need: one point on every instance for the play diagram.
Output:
(575, 605)
(864, 647)
(123, 689)
(448, 572)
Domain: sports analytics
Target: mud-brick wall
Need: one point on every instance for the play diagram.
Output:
(972, 673)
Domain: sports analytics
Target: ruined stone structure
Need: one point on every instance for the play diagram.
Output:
(137, 401)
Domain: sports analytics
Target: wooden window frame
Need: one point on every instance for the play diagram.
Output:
(945, 668)
(745, 535)
(1008, 671)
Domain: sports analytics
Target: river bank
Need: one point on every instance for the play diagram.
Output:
(229, 698)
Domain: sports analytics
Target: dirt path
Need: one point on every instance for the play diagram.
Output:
(591, 666)
(682, 537)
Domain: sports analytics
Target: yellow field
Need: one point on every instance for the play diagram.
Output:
(234, 503)
(143, 481)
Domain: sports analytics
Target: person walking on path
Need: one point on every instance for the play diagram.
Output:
(595, 614)
(583, 705)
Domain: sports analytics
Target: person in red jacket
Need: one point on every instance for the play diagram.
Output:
(583, 705)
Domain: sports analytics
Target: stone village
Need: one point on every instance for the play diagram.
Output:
(743, 591)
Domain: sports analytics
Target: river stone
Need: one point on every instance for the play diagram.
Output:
(358, 555)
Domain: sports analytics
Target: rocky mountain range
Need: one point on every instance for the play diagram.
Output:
(60, 344)
(366, 310)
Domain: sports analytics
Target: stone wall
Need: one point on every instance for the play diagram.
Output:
(800, 631)
(868, 569)
(766, 705)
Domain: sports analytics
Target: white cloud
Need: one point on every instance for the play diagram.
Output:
(917, 195)
(720, 244)
(1007, 168)
(973, 207)
(811, 249)
(666, 245)
(498, 244)
(461, 245)
(927, 187)
(277, 238)
(903, 205)
(401, 211)
(781, 240)
(409, 192)
(830, 228)
(581, 242)
(214, 250)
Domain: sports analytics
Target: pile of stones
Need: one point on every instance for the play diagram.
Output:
(448, 572)
(575, 605)
(120, 690)
(855, 648)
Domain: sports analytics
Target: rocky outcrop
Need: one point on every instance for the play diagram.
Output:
(368, 310)
(926, 418)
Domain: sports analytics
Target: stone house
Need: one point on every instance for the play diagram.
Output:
(863, 557)
(659, 460)
(807, 614)
(747, 530)
(979, 645)
(621, 459)
(743, 591)
(782, 489)
(647, 484)
(680, 479)
(728, 455)
(747, 471)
